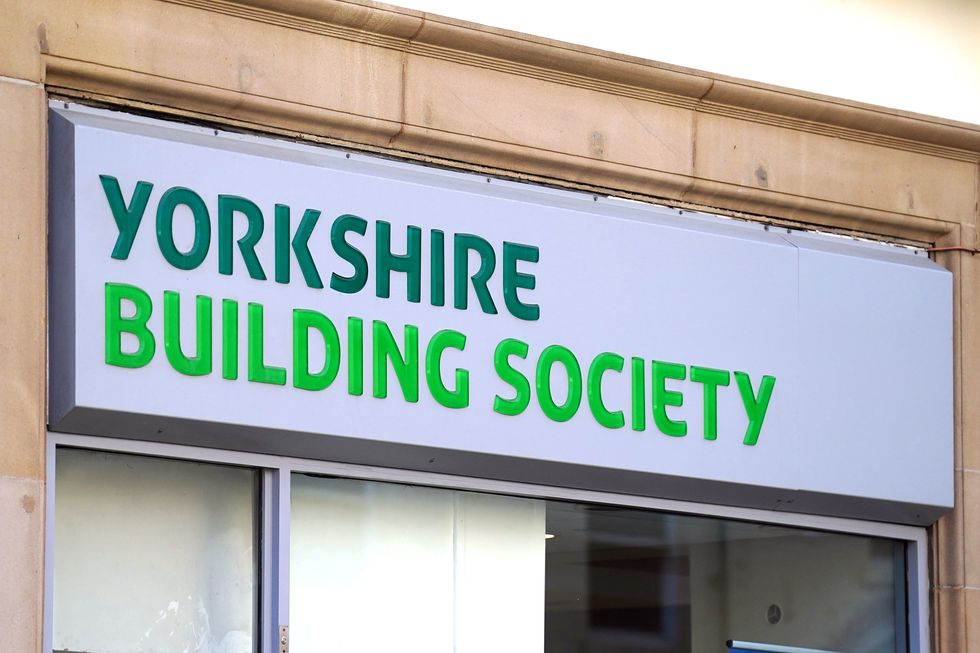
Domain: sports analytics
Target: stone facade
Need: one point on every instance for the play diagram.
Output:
(422, 87)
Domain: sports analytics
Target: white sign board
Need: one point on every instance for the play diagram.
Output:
(264, 295)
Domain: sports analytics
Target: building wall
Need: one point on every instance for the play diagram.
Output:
(418, 86)
(914, 55)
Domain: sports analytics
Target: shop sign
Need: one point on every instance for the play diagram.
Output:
(225, 289)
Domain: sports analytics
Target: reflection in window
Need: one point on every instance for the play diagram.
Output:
(628, 581)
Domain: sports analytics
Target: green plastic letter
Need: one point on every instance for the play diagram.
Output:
(300, 246)
(437, 268)
(229, 339)
(710, 379)
(601, 364)
(460, 397)
(462, 244)
(127, 219)
(349, 253)
(551, 355)
(406, 367)
(639, 421)
(165, 228)
(662, 397)
(200, 365)
(755, 407)
(303, 379)
(228, 206)
(355, 356)
(522, 388)
(514, 252)
(258, 371)
(116, 325)
(282, 243)
(386, 262)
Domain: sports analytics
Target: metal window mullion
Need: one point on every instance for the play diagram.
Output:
(268, 574)
(275, 557)
(284, 479)
(917, 593)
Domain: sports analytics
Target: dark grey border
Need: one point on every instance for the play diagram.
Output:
(341, 449)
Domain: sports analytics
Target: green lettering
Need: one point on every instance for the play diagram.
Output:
(199, 365)
(514, 252)
(710, 379)
(437, 268)
(173, 198)
(116, 325)
(341, 226)
(386, 262)
(522, 388)
(639, 421)
(303, 321)
(662, 397)
(601, 364)
(460, 397)
(355, 356)
(462, 245)
(127, 218)
(406, 367)
(258, 371)
(229, 339)
(300, 246)
(228, 206)
(551, 355)
(282, 243)
(755, 407)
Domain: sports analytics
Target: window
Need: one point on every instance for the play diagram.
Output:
(382, 567)
(153, 555)
(163, 555)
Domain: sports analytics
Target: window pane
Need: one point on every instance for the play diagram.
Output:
(378, 567)
(153, 555)
(624, 581)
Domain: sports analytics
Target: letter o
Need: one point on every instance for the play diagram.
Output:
(165, 228)
(551, 355)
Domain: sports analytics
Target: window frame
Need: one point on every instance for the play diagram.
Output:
(276, 472)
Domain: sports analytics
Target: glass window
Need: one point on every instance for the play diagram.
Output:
(153, 555)
(621, 580)
(161, 556)
(385, 567)
(377, 567)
